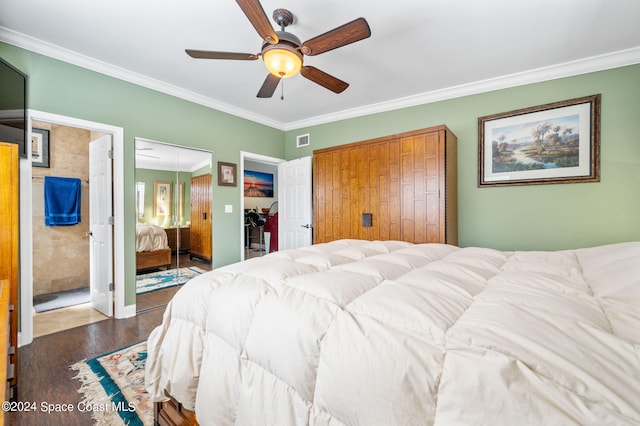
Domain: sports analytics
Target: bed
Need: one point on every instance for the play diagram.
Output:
(391, 333)
(152, 249)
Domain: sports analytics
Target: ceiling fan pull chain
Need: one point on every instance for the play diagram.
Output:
(282, 89)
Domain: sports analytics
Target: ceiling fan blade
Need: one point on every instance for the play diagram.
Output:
(207, 54)
(269, 86)
(323, 79)
(257, 17)
(351, 32)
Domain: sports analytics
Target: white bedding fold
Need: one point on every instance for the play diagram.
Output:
(379, 333)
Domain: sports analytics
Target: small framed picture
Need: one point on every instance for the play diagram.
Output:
(162, 198)
(552, 143)
(39, 148)
(227, 174)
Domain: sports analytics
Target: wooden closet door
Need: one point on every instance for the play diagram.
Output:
(9, 213)
(381, 192)
(422, 171)
(407, 182)
(201, 217)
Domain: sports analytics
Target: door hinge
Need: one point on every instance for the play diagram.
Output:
(110, 286)
(110, 220)
(110, 154)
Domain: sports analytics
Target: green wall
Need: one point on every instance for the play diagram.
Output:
(540, 217)
(536, 217)
(60, 88)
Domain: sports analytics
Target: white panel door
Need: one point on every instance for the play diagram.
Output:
(295, 222)
(100, 226)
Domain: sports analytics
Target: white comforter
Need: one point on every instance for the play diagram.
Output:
(389, 333)
(150, 237)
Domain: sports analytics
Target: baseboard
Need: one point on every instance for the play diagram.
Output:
(127, 312)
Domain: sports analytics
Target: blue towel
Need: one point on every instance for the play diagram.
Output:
(61, 201)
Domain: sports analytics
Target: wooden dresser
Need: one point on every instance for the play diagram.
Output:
(179, 239)
(398, 187)
(9, 180)
(4, 345)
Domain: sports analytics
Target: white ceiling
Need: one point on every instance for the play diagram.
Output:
(161, 156)
(419, 51)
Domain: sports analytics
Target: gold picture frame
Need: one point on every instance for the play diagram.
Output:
(552, 143)
(162, 198)
(180, 195)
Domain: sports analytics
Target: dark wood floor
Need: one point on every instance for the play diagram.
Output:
(44, 374)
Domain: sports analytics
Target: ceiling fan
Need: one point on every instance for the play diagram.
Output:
(283, 53)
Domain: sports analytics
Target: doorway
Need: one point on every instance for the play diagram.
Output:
(257, 208)
(293, 203)
(173, 219)
(27, 234)
(63, 286)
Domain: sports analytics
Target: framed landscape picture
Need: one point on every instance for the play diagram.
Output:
(258, 184)
(552, 143)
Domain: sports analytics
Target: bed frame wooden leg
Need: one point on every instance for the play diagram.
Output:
(172, 413)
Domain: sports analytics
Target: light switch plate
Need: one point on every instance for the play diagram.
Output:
(228, 208)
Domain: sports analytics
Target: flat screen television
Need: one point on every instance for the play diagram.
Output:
(13, 106)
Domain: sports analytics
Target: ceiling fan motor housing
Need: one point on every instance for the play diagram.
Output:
(285, 37)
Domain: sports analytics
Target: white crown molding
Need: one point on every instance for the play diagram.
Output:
(581, 66)
(47, 49)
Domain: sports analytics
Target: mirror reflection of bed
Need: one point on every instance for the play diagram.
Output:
(172, 183)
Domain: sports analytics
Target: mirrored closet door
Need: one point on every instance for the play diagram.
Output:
(173, 215)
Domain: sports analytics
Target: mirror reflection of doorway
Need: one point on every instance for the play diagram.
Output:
(169, 191)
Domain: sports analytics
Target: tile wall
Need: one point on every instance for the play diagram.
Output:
(61, 253)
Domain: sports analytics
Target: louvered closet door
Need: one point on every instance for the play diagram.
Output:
(201, 217)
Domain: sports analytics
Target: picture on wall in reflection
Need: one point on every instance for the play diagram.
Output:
(161, 198)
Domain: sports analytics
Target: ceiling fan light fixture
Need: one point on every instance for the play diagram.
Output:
(283, 53)
(282, 60)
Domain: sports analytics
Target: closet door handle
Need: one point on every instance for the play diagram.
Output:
(204, 216)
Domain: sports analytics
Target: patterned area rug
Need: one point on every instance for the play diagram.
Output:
(162, 279)
(113, 387)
